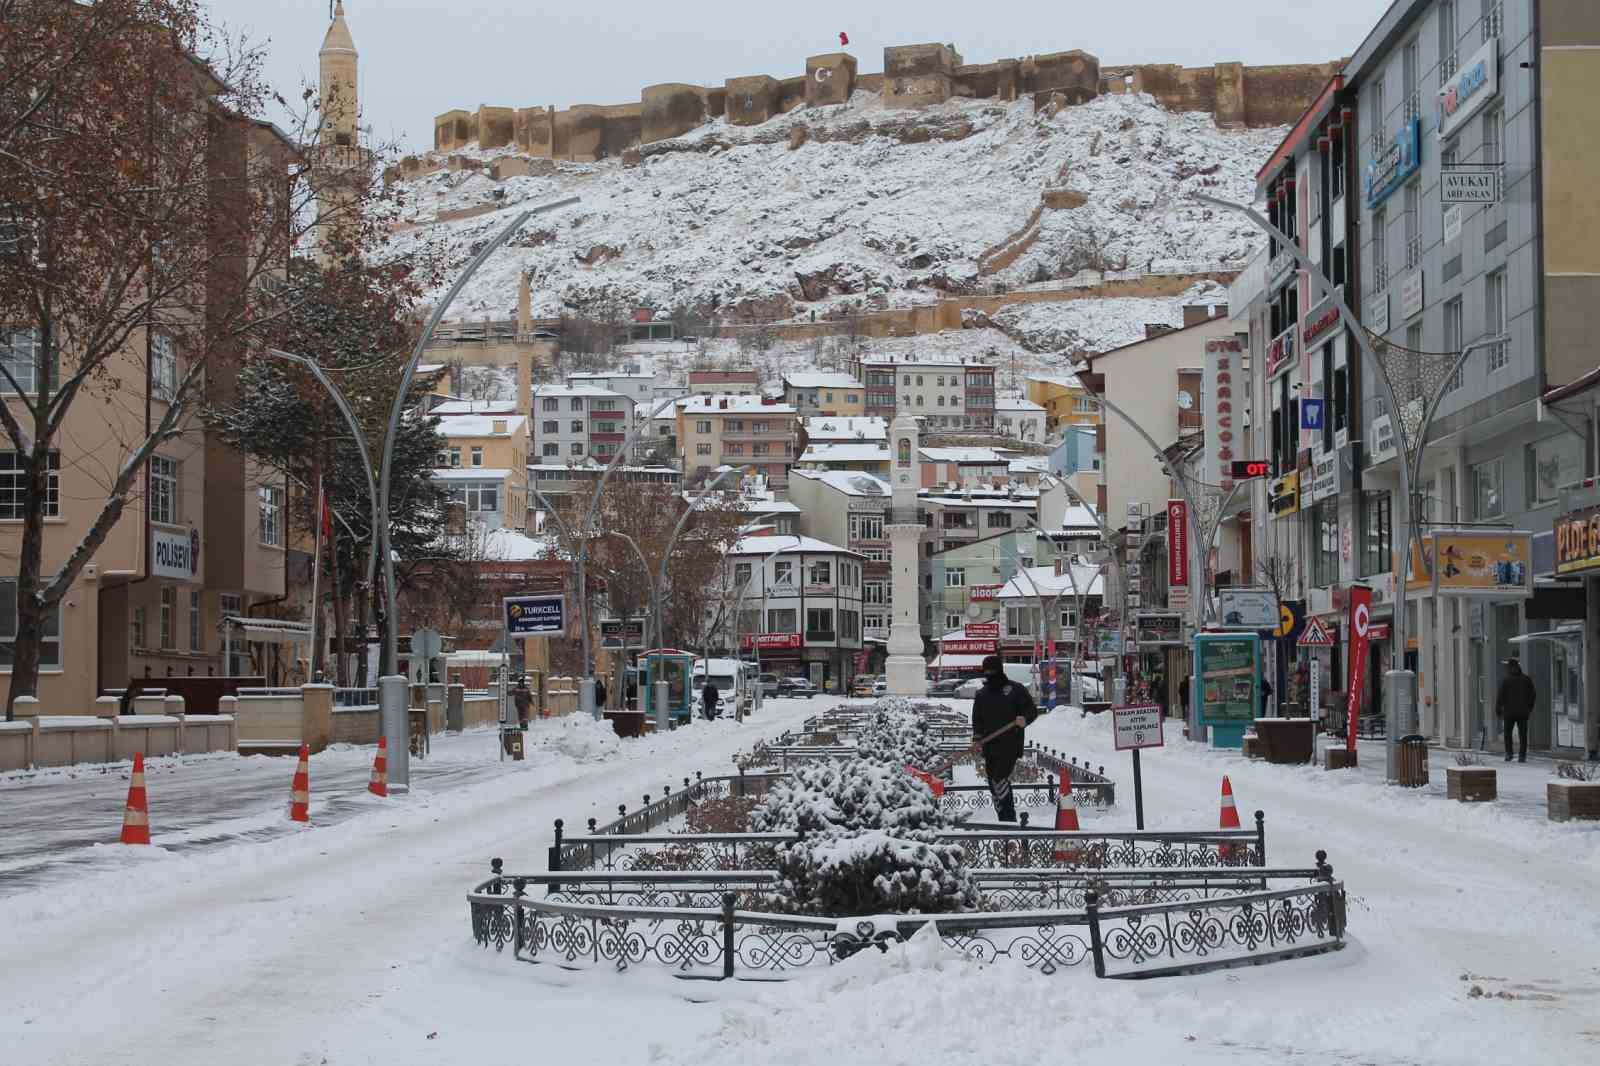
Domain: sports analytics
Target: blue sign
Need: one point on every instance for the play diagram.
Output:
(1398, 162)
(1311, 413)
(536, 616)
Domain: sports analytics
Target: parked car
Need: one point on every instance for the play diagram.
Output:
(861, 687)
(769, 684)
(1022, 673)
(947, 687)
(796, 687)
(880, 687)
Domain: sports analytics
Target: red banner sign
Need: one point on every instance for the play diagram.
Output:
(770, 641)
(980, 630)
(969, 647)
(1177, 544)
(983, 592)
(1360, 631)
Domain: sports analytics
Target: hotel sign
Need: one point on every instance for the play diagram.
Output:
(1280, 353)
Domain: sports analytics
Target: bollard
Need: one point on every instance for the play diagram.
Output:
(1261, 837)
(645, 810)
(555, 849)
(728, 900)
(1091, 906)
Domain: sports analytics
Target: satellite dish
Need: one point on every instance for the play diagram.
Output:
(973, 610)
(1185, 401)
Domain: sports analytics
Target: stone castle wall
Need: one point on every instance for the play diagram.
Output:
(917, 75)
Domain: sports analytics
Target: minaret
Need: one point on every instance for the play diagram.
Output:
(906, 673)
(338, 162)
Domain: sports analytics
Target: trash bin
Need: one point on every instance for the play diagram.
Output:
(1413, 761)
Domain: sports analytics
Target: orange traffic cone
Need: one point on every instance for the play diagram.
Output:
(379, 785)
(300, 789)
(1067, 821)
(1229, 820)
(136, 816)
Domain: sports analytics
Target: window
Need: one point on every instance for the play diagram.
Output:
(702, 449)
(940, 399)
(49, 644)
(955, 578)
(1325, 547)
(14, 486)
(1380, 250)
(1379, 118)
(920, 402)
(999, 519)
(733, 425)
(1447, 41)
(163, 490)
(169, 609)
(1488, 484)
(195, 619)
(919, 380)
(761, 427)
(1551, 464)
(163, 368)
(476, 496)
(1494, 19)
(1494, 122)
(952, 620)
(783, 572)
(702, 425)
(849, 625)
(1410, 62)
(1494, 311)
(550, 405)
(955, 401)
(20, 351)
(1069, 619)
(1413, 220)
(605, 405)
(477, 455)
(552, 450)
(136, 629)
(1452, 338)
(576, 404)
(819, 622)
(1377, 533)
(550, 425)
(783, 620)
(821, 573)
(1019, 621)
(874, 592)
(741, 574)
(939, 381)
(760, 449)
(577, 448)
(866, 527)
(733, 449)
(269, 514)
(1084, 405)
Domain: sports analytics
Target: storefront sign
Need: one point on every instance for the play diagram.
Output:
(1469, 185)
(1378, 631)
(1475, 84)
(1378, 317)
(1280, 353)
(771, 641)
(622, 633)
(1160, 627)
(869, 503)
(1324, 478)
(1472, 562)
(1223, 357)
(1311, 410)
(977, 593)
(969, 647)
(1323, 318)
(818, 589)
(1283, 494)
(175, 555)
(1411, 295)
(1452, 224)
(1397, 163)
(1248, 608)
(1381, 444)
(535, 616)
(1279, 268)
(1360, 626)
(979, 630)
(1578, 541)
(1178, 546)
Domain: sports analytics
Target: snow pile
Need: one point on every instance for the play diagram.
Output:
(732, 217)
(583, 739)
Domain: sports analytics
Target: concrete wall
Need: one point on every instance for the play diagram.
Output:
(671, 110)
(917, 75)
(751, 101)
(72, 739)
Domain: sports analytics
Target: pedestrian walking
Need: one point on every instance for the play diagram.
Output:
(599, 692)
(1514, 704)
(1183, 695)
(523, 698)
(1266, 695)
(1001, 700)
(709, 699)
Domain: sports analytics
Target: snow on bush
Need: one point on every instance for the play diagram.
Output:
(852, 795)
(583, 739)
(874, 873)
(896, 734)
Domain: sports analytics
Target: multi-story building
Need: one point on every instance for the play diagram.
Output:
(484, 465)
(852, 509)
(964, 467)
(963, 580)
(835, 394)
(562, 479)
(965, 515)
(946, 395)
(577, 423)
(797, 605)
(724, 382)
(746, 431)
(1019, 419)
(1064, 399)
(639, 388)
(829, 429)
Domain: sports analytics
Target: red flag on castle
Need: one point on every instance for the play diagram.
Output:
(844, 39)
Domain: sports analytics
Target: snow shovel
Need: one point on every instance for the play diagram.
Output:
(931, 777)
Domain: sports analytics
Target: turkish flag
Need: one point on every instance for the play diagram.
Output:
(844, 39)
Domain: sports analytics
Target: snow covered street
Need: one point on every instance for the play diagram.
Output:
(349, 943)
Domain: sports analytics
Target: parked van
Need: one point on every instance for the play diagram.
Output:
(734, 681)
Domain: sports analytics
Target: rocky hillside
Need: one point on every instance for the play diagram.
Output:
(856, 205)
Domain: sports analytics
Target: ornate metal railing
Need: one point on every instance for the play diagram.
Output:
(1212, 927)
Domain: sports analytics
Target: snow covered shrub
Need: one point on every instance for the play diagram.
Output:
(895, 733)
(730, 814)
(1577, 771)
(852, 795)
(874, 873)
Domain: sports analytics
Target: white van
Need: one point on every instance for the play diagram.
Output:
(1023, 674)
(734, 681)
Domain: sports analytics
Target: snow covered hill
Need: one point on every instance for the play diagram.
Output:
(856, 202)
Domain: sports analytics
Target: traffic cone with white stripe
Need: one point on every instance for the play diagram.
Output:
(300, 789)
(1229, 820)
(379, 785)
(136, 816)
(1067, 821)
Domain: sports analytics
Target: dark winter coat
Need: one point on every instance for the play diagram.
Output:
(1516, 698)
(709, 697)
(999, 701)
(599, 693)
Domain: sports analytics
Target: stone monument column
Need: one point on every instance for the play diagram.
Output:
(906, 671)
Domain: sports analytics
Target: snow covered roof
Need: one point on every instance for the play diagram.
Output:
(848, 482)
(514, 546)
(846, 453)
(475, 407)
(731, 404)
(765, 544)
(1049, 583)
(964, 455)
(1069, 381)
(851, 428)
(1030, 464)
(470, 473)
(1027, 503)
(1016, 403)
(558, 391)
(606, 375)
(481, 425)
(825, 380)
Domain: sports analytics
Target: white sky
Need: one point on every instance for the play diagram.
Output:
(422, 57)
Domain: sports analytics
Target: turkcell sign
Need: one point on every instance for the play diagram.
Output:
(535, 616)
(1474, 85)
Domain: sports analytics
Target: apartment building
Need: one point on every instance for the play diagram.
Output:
(578, 423)
(1064, 399)
(830, 393)
(747, 431)
(945, 394)
(964, 466)
(640, 388)
(1019, 418)
(852, 509)
(483, 463)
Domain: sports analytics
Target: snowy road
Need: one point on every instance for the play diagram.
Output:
(349, 944)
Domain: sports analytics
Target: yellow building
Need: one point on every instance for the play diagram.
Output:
(835, 394)
(1064, 399)
(743, 431)
(484, 465)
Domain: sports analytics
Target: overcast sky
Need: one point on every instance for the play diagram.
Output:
(422, 57)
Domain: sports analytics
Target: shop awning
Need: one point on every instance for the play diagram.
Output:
(270, 630)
